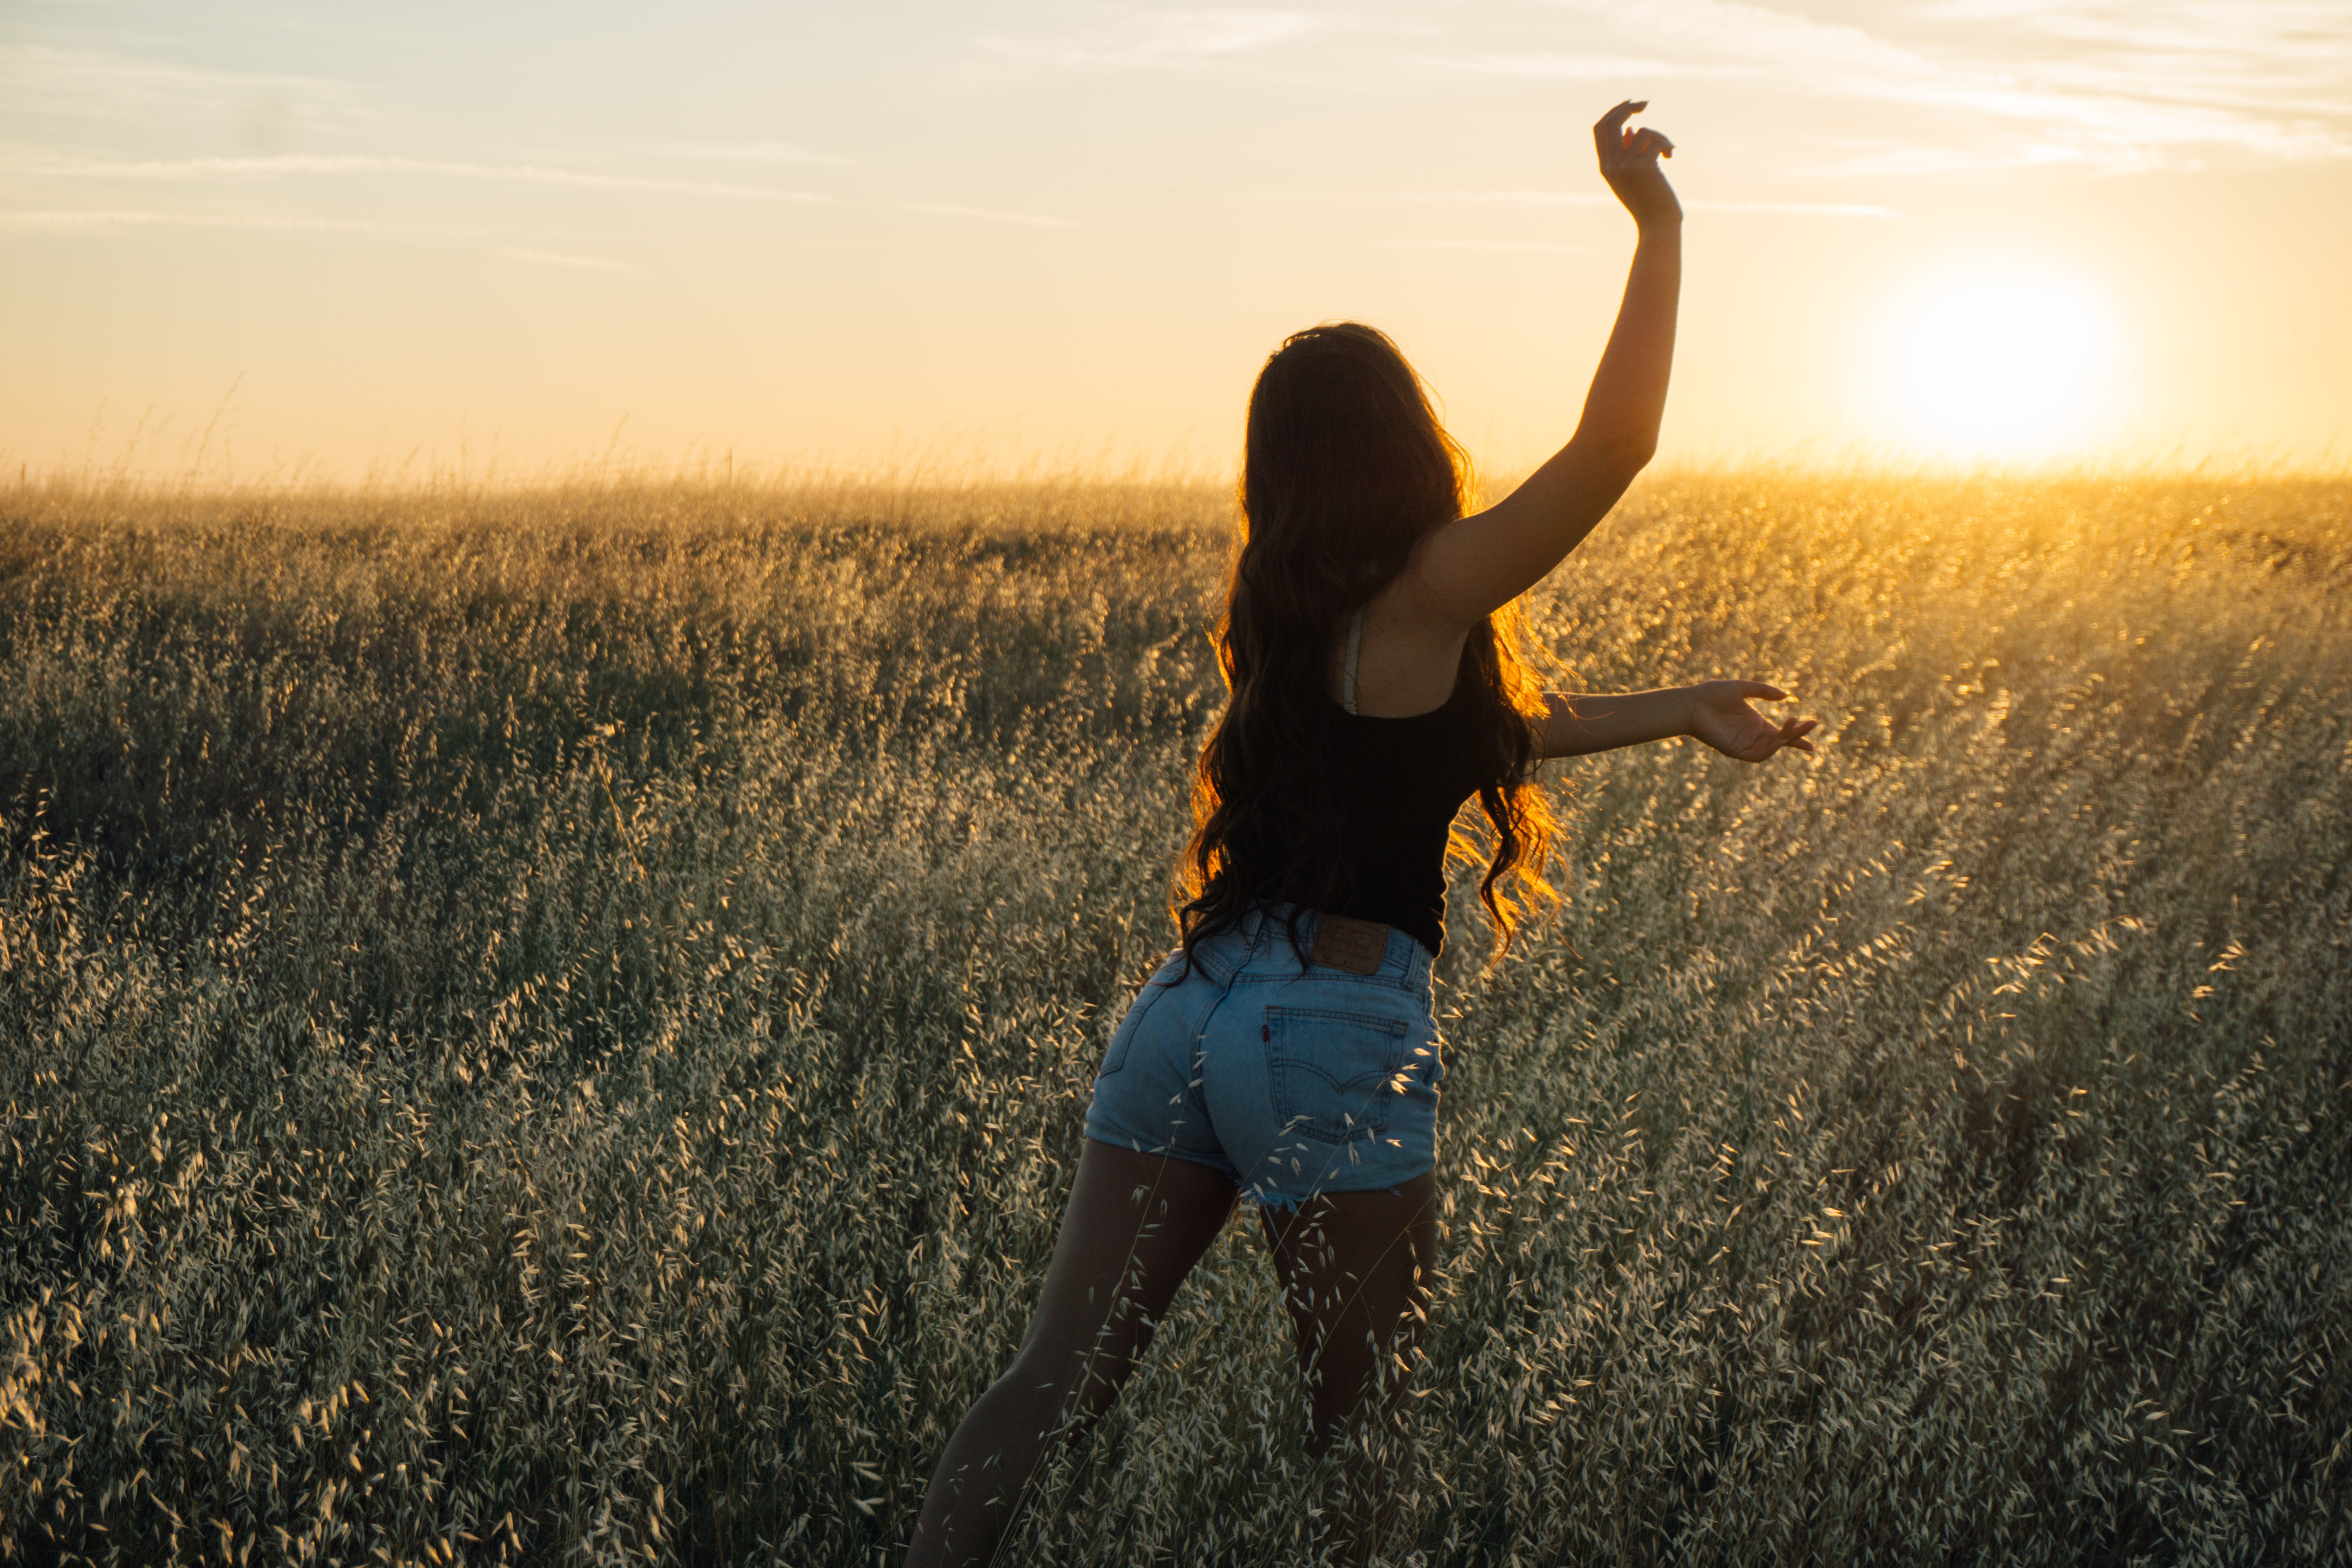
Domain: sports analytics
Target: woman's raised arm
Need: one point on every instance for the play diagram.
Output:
(1482, 562)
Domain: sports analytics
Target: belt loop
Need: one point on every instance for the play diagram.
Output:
(1262, 919)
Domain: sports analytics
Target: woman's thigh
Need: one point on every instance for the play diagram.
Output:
(1357, 1270)
(1134, 1227)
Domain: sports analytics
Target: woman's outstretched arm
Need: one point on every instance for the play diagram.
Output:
(1716, 711)
(1484, 560)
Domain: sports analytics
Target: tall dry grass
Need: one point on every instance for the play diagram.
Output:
(553, 1026)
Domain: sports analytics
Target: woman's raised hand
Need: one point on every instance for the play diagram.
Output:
(1629, 161)
(1720, 716)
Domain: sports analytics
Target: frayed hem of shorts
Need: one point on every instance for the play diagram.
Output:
(1284, 1203)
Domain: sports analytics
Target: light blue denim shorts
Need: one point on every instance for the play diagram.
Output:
(1290, 1080)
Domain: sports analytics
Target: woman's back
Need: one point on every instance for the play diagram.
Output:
(1399, 780)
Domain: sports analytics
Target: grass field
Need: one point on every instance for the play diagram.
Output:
(552, 1027)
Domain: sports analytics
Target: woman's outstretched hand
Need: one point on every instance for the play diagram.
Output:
(1720, 716)
(1629, 161)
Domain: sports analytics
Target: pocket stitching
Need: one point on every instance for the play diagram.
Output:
(1114, 1054)
(1375, 1121)
(1380, 1021)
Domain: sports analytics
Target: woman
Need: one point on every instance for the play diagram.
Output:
(1286, 1053)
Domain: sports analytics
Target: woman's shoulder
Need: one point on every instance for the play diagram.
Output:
(1401, 667)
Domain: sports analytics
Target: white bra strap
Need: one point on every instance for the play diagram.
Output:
(1355, 649)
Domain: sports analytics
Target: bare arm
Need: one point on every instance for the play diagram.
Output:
(1716, 711)
(1476, 565)
(1580, 725)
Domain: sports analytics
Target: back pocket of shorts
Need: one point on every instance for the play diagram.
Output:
(1331, 1071)
(1115, 1053)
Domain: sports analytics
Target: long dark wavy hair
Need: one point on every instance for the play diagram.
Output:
(1346, 469)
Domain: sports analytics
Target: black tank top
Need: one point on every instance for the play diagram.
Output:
(1399, 781)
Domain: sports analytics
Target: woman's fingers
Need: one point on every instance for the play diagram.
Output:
(1618, 146)
(1609, 131)
(1648, 144)
(1727, 723)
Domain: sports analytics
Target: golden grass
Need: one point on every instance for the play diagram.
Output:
(552, 1026)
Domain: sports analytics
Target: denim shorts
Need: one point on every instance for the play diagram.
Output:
(1289, 1079)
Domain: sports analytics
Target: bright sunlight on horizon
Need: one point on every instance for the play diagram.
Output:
(1998, 363)
(250, 246)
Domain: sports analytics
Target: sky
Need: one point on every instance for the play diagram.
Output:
(254, 241)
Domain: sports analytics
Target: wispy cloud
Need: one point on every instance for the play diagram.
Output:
(1798, 209)
(1884, 156)
(1167, 39)
(82, 84)
(1528, 244)
(556, 258)
(237, 171)
(185, 170)
(117, 217)
(2268, 57)
(749, 153)
(1544, 66)
(65, 219)
(988, 215)
(2138, 86)
(1223, 32)
(1535, 198)
(2106, 84)
(2278, 41)
(1529, 198)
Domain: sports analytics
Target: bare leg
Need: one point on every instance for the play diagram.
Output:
(1356, 1272)
(1135, 1225)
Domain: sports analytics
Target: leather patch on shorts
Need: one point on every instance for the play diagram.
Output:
(1353, 945)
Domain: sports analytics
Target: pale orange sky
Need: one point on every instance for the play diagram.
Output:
(396, 239)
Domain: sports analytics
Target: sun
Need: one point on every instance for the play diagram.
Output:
(1993, 361)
